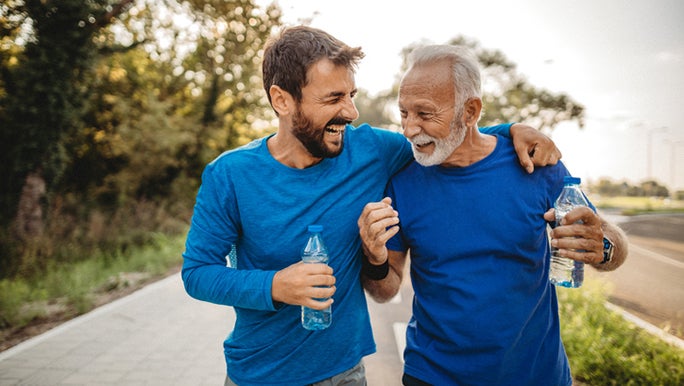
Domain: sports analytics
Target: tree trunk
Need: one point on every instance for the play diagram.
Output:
(29, 221)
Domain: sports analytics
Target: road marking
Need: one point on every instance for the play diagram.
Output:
(657, 256)
(400, 338)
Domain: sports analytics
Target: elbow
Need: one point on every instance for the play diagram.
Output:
(188, 276)
(382, 298)
(380, 294)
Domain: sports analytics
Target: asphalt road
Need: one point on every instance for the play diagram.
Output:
(651, 282)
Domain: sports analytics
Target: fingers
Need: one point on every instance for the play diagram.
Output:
(321, 298)
(320, 288)
(304, 284)
(546, 153)
(377, 224)
(585, 256)
(550, 215)
(584, 214)
(579, 236)
(542, 153)
(524, 156)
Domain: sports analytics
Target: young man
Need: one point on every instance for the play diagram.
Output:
(260, 198)
(484, 312)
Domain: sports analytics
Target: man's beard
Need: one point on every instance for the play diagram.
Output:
(313, 138)
(443, 147)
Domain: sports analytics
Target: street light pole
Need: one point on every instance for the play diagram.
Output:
(649, 150)
(673, 164)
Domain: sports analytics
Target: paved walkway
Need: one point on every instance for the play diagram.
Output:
(156, 336)
(159, 336)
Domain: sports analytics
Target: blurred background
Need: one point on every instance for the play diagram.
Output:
(109, 110)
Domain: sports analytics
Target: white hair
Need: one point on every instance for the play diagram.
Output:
(464, 66)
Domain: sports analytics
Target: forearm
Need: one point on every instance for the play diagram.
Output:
(229, 286)
(620, 249)
(386, 288)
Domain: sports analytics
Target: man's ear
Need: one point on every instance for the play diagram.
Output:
(282, 101)
(472, 110)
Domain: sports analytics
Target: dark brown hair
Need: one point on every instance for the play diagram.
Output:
(288, 56)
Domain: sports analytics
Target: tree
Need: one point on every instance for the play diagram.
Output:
(106, 106)
(178, 99)
(507, 95)
(43, 90)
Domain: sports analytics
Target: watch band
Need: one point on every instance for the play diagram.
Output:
(608, 249)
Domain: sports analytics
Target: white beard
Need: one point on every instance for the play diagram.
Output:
(443, 147)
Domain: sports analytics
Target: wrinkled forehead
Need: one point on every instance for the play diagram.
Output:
(430, 82)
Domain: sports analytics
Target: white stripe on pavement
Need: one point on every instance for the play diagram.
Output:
(400, 338)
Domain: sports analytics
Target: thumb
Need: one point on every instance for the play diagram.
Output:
(526, 162)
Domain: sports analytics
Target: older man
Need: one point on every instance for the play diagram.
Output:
(484, 311)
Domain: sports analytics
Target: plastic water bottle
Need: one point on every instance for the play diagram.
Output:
(566, 272)
(315, 252)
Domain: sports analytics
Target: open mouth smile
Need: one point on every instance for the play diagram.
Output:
(420, 145)
(335, 129)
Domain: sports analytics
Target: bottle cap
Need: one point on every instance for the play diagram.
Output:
(315, 228)
(571, 180)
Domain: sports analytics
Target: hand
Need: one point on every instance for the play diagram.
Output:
(300, 283)
(533, 147)
(377, 224)
(578, 241)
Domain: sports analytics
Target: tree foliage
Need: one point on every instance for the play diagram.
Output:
(43, 92)
(114, 103)
(648, 188)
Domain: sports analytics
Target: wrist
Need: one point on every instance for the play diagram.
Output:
(374, 271)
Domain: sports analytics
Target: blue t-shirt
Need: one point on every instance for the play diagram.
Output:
(484, 312)
(261, 207)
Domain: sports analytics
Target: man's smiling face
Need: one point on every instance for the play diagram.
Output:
(325, 110)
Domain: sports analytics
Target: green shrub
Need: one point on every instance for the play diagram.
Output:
(605, 349)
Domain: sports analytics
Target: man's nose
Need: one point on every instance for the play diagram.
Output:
(349, 110)
(410, 126)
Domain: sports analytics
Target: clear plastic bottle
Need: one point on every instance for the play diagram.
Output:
(315, 252)
(566, 272)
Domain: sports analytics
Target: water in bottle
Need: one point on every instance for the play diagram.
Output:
(315, 252)
(564, 271)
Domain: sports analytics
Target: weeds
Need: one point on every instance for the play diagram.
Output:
(605, 349)
(71, 287)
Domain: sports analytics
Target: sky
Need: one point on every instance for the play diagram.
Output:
(622, 60)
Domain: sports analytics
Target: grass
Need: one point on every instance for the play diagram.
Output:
(638, 205)
(70, 289)
(605, 349)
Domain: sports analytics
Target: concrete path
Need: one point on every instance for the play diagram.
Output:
(156, 336)
(160, 336)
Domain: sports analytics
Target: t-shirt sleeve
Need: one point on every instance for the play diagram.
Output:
(395, 149)
(502, 129)
(213, 232)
